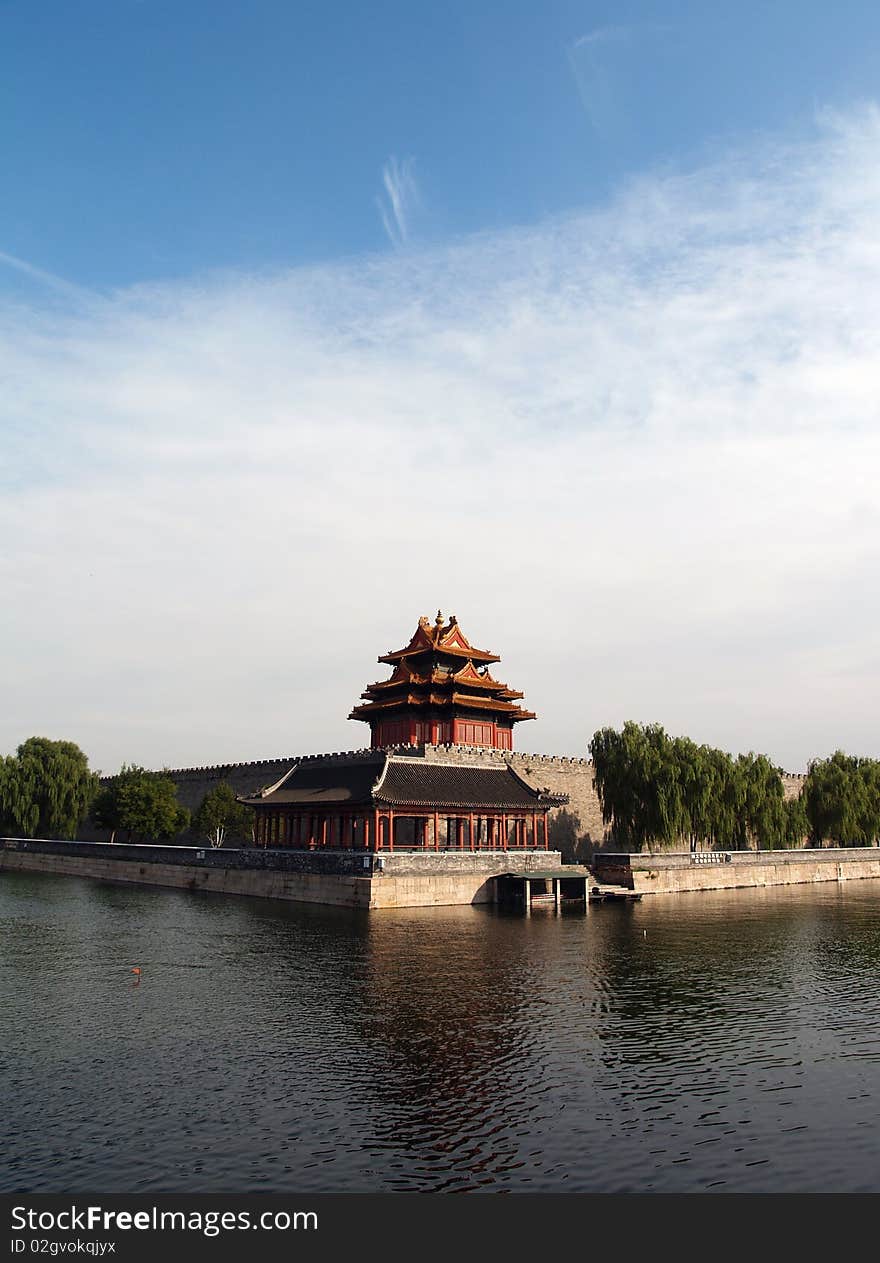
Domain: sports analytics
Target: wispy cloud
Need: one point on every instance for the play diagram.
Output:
(603, 35)
(601, 63)
(635, 451)
(41, 277)
(399, 199)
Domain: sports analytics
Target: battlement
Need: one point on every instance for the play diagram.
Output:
(215, 769)
(430, 752)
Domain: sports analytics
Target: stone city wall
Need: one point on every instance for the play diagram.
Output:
(576, 829)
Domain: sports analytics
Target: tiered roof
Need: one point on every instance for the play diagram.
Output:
(441, 669)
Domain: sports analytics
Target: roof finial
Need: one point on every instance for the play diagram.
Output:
(439, 619)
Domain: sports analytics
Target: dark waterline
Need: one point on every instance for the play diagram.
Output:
(724, 1041)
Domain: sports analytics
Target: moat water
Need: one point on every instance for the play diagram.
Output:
(723, 1041)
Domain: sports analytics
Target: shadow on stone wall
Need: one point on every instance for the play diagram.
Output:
(564, 834)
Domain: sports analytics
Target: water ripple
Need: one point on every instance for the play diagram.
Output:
(272, 1048)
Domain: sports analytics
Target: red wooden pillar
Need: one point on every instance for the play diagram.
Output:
(504, 837)
(471, 829)
(377, 840)
(436, 831)
(390, 830)
(546, 834)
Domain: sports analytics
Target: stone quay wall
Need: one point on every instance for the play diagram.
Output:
(351, 879)
(716, 870)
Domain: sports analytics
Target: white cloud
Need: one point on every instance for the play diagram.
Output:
(634, 451)
(603, 35)
(399, 199)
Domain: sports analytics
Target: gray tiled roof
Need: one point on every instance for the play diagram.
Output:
(413, 783)
(348, 784)
(387, 781)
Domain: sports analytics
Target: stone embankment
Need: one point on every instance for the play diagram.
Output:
(726, 870)
(355, 879)
(350, 879)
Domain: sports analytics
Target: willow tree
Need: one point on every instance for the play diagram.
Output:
(46, 789)
(797, 826)
(655, 789)
(639, 785)
(842, 800)
(763, 801)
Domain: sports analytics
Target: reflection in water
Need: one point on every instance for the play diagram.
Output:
(727, 1040)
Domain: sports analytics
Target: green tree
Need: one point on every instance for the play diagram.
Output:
(144, 803)
(842, 800)
(662, 791)
(221, 815)
(796, 824)
(763, 801)
(639, 785)
(46, 789)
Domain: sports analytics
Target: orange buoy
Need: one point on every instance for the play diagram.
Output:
(136, 971)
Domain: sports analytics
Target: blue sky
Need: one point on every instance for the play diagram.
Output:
(157, 138)
(315, 317)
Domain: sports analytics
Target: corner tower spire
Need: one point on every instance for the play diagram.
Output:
(440, 692)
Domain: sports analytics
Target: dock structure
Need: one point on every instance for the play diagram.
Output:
(568, 884)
